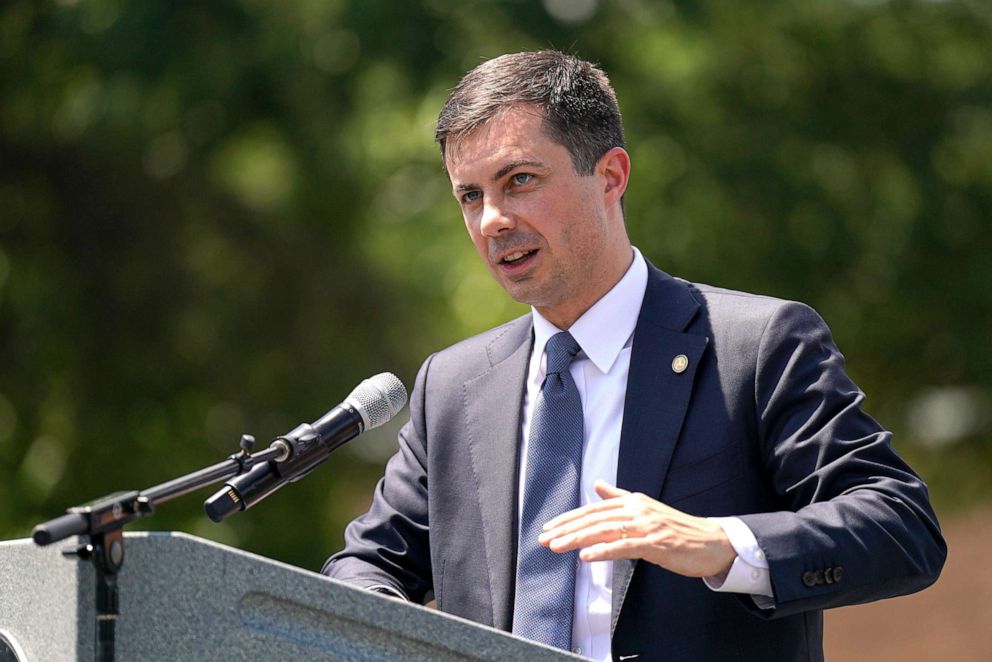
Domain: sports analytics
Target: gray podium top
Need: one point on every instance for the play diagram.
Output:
(185, 598)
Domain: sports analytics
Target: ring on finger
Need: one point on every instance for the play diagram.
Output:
(623, 530)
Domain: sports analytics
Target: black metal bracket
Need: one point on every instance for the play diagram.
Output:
(102, 522)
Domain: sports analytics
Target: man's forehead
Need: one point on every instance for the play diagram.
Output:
(512, 134)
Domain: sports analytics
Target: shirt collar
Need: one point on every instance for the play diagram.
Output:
(605, 328)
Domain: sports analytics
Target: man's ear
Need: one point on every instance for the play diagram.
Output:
(614, 166)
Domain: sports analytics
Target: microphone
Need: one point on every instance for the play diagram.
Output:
(373, 402)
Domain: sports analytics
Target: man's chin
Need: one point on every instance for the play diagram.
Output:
(521, 292)
(528, 293)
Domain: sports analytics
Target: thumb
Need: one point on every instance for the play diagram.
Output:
(607, 491)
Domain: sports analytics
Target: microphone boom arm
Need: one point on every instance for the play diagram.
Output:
(102, 521)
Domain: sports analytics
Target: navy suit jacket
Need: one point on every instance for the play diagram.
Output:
(763, 424)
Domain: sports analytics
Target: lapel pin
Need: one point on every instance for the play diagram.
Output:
(680, 363)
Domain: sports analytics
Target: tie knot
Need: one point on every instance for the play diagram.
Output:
(561, 349)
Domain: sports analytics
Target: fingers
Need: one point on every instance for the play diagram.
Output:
(604, 521)
(612, 551)
(588, 534)
(583, 518)
(606, 510)
(610, 503)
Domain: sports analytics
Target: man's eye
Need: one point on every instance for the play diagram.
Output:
(471, 196)
(522, 178)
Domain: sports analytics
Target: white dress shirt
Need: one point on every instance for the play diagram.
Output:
(605, 333)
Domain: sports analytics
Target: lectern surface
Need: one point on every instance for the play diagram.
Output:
(185, 598)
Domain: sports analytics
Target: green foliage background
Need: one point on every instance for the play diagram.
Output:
(218, 217)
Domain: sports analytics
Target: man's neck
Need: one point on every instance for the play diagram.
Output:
(564, 315)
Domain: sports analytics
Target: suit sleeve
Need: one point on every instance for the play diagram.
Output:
(389, 545)
(857, 524)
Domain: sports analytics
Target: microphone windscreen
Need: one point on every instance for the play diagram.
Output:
(378, 398)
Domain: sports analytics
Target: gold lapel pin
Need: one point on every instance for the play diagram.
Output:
(680, 363)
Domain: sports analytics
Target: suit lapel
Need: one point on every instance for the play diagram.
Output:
(493, 402)
(657, 397)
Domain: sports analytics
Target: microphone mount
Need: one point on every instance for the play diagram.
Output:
(373, 402)
(102, 522)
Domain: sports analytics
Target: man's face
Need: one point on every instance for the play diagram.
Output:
(543, 230)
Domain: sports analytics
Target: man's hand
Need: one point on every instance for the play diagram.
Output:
(625, 525)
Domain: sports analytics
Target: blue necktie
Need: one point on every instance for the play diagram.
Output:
(545, 580)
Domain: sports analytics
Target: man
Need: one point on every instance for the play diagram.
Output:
(642, 467)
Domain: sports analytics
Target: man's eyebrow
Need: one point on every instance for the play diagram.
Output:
(513, 165)
(502, 172)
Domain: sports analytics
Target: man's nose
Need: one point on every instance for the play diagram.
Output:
(496, 218)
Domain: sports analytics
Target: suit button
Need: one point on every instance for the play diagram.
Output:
(838, 573)
(828, 575)
(809, 578)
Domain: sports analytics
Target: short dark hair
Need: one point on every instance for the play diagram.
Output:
(580, 108)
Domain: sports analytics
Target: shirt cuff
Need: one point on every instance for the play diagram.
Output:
(749, 572)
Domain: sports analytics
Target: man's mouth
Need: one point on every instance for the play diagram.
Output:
(513, 258)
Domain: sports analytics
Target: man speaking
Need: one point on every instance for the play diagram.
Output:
(642, 467)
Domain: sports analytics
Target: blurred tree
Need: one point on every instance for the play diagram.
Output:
(217, 219)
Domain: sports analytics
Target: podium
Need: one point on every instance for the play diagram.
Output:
(185, 598)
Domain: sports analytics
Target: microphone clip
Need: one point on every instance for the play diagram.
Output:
(295, 443)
